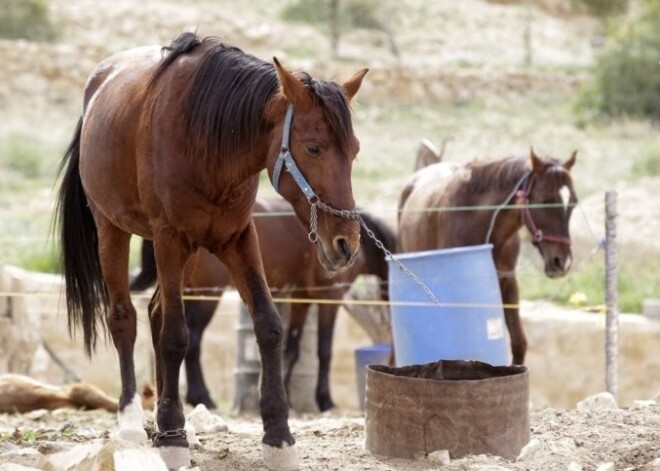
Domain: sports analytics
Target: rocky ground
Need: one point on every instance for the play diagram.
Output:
(597, 439)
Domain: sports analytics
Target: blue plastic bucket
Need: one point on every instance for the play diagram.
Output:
(469, 322)
(377, 354)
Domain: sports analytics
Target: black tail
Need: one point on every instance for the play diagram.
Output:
(148, 273)
(86, 293)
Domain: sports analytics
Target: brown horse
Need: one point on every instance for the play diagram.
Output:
(292, 270)
(169, 147)
(506, 194)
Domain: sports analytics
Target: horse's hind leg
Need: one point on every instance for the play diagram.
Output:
(122, 323)
(198, 316)
(297, 317)
(327, 317)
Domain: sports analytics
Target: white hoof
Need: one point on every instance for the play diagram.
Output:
(281, 459)
(175, 457)
(134, 435)
(130, 422)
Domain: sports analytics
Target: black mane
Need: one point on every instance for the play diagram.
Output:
(504, 174)
(228, 94)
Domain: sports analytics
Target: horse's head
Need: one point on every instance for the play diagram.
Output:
(551, 196)
(310, 159)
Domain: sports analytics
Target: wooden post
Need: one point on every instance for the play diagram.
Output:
(611, 297)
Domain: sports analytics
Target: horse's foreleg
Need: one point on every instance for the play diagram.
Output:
(198, 316)
(121, 318)
(327, 317)
(170, 338)
(244, 264)
(509, 289)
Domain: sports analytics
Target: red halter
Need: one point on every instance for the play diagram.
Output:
(522, 198)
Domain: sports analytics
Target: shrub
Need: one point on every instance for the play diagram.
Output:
(25, 19)
(353, 14)
(26, 157)
(627, 74)
(602, 8)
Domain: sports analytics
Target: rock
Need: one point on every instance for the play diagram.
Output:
(440, 457)
(107, 455)
(563, 446)
(16, 467)
(598, 401)
(639, 404)
(205, 421)
(574, 467)
(605, 467)
(530, 449)
(28, 457)
(652, 466)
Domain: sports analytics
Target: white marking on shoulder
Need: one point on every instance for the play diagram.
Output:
(565, 195)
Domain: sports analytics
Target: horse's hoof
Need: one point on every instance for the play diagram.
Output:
(175, 457)
(281, 459)
(325, 404)
(134, 435)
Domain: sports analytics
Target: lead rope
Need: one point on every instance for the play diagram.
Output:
(316, 204)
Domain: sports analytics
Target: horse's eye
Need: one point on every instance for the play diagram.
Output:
(314, 150)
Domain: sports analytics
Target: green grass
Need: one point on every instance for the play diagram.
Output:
(26, 158)
(636, 282)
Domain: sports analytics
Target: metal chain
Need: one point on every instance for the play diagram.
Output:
(353, 214)
(399, 265)
(178, 433)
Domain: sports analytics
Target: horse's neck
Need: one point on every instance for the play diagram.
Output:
(506, 220)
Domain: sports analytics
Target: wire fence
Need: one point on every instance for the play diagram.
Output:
(528, 263)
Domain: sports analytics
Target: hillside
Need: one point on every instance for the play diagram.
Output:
(461, 75)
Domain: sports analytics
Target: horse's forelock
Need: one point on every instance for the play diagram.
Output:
(330, 96)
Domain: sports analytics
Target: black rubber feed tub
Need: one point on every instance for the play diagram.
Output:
(465, 407)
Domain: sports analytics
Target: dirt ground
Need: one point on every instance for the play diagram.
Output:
(628, 438)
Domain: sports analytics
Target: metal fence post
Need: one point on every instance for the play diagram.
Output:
(611, 297)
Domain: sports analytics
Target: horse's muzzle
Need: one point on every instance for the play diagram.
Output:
(340, 254)
(556, 267)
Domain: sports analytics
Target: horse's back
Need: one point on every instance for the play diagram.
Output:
(424, 194)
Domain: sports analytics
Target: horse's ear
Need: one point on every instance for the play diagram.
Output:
(353, 84)
(568, 165)
(537, 164)
(292, 88)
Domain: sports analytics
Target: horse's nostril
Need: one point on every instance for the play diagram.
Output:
(558, 263)
(343, 247)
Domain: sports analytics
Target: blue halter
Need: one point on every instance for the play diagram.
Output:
(285, 159)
